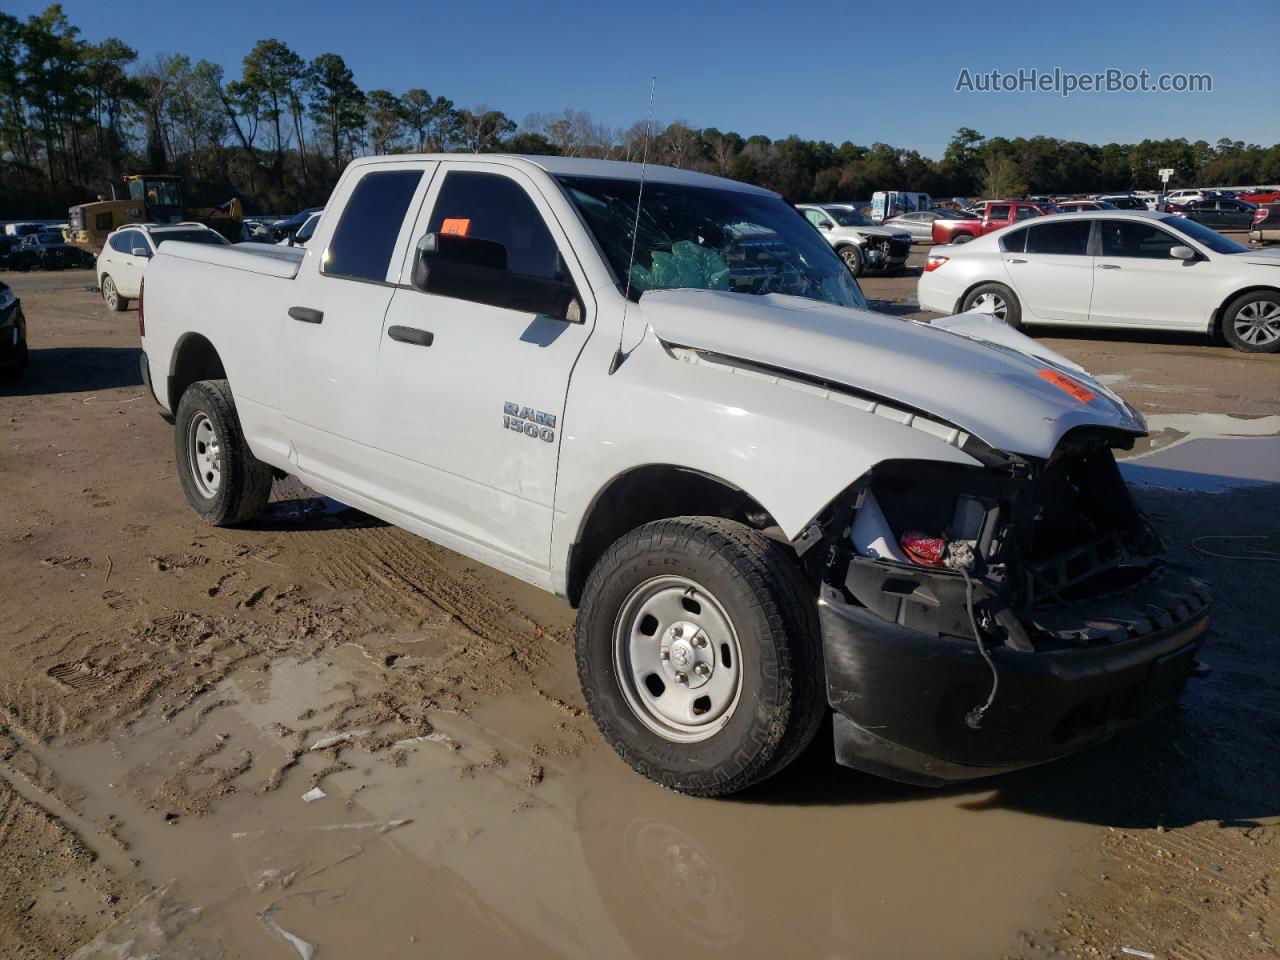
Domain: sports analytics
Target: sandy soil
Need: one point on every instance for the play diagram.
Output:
(171, 692)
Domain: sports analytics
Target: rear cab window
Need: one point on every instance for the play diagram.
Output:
(365, 238)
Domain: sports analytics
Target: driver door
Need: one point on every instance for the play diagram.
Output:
(469, 398)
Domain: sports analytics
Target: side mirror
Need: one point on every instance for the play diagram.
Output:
(1182, 252)
(140, 251)
(467, 268)
(824, 226)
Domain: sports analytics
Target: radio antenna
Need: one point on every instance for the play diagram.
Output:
(618, 355)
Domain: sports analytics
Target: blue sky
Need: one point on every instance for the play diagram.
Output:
(834, 71)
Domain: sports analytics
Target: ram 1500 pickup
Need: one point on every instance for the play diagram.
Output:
(661, 395)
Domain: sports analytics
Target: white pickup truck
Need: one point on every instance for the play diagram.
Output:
(662, 396)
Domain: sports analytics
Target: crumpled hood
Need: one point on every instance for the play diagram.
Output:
(878, 233)
(991, 390)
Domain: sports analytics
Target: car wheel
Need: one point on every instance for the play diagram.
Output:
(222, 479)
(111, 295)
(963, 238)
(1251, 322)
(997, 300)
(852, 258)
(699, 654)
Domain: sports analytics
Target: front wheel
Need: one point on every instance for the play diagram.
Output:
(852, 258)
(1251, 322)
(699, 654)
(997, 300)
(222, 479)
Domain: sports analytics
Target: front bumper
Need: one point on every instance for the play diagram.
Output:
(901, 696)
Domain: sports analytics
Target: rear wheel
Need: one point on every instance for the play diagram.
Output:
(699, 654)
(963, 238)
(111, 295)
(852, 258)
(1251, 322)
(997, 300)
(222, 479)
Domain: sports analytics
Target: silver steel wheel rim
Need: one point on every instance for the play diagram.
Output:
(677, 659)
(109, 289)
(204, 454)
(991, 303)
(1258, 323)
(851, 258)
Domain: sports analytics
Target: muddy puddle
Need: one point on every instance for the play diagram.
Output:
(473, 840)
(1205, 453)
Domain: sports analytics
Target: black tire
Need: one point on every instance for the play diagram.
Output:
(244, 482)
(852, 258)
(111, 295)
(773, 612)
(963, 238)
(1010, 313)
(1264, 304)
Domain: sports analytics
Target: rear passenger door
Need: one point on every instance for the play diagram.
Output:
(332, 327)
(1053, 275)
(469, 406)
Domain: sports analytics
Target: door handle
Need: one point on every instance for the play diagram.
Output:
(1108, 266)
(307, 314)
(1016, 260)
(420, 338)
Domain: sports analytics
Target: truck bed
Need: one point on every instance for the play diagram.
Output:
(268, 259)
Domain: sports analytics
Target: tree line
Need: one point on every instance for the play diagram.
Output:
(76, 115)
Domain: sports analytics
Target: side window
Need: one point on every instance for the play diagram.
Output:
(814, 217)
(489, 206)
(1130, 238)
(365, 238)
(998, 211)
(122, 242)
(1064, 237)
(1026, 213)
(1014, 241)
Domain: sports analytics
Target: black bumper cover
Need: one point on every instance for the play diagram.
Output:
(901, 696)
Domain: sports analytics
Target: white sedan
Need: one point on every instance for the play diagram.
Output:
(1113, 268)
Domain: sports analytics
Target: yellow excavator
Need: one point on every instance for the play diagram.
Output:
(153, 198)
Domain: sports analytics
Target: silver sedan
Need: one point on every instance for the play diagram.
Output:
(920, 223)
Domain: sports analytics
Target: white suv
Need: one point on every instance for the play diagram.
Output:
(127, 250)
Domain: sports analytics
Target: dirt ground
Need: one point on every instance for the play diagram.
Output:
(319, 736)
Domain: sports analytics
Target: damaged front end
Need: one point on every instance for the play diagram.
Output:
(981, 619)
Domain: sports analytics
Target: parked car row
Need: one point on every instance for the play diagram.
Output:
(41, 249)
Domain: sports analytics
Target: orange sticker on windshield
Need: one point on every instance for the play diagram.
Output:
(1063, 382)
(455, 226)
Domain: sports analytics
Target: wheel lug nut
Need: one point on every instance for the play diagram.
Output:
(682, 678)
(666, 654)
(701, 669)
(700, 641)
(677, 631)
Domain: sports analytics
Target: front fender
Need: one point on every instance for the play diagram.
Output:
(790, 445)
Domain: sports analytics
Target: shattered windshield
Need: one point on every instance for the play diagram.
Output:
(709, 239)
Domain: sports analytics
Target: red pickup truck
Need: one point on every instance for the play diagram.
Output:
(1000, 213)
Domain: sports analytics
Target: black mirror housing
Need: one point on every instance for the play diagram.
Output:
(467, 268)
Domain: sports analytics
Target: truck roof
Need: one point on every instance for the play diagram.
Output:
(584, 167)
